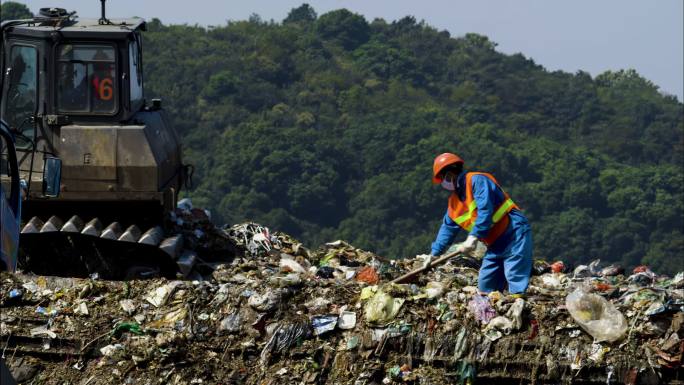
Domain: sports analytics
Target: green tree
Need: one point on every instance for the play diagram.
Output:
(12, 11)
(348, 29)
(303, 14)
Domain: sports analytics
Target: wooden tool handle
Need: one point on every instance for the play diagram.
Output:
(436, 262)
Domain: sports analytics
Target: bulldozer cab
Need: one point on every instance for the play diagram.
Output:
(62, 69)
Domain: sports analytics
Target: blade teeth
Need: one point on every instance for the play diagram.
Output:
(186, 262)
(152, 236)
(93, 227)
(33, 226)
(132, 234)
(73, 225)
(52, 225)
(113, 231)
(172, 245)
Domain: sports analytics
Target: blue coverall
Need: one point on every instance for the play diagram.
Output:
(509, 258)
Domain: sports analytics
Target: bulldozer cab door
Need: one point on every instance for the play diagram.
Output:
(20, 83)
(10, 202)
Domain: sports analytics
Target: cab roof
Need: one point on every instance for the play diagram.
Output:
(76, 28)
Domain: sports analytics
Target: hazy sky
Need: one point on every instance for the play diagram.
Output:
(569, 35)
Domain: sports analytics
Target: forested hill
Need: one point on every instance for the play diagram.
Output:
(326, 127)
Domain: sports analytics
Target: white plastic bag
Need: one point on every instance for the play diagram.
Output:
(289, 264)
(515, 313)
(596, 315)
(434, 289)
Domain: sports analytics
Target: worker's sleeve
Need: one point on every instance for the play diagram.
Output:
(484, 191)
(445, 236)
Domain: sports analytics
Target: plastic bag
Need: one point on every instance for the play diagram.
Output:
(596, 315)
(368, 275)
(292, 279)
(382, 307)
(322, 324)
(481, 308)
(515, 313)
(266, 302)
(347, 320)
(554, 280)
(284, 336)
(231, 323)
(290, 265)
(501, 323)
(434, 289)
(131, 327)
(558, 267)
(160, 295)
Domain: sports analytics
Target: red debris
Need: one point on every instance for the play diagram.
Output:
(368, 275)
(601, 286)
(557, 266)
(534, 329)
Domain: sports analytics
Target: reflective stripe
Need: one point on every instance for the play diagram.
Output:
(466, 216)
(460, 220)
(502, 210)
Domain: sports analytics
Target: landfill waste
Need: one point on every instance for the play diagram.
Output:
(275, 312)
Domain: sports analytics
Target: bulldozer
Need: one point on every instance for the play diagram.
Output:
(73, 89)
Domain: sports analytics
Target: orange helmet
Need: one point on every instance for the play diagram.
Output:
(442, 161)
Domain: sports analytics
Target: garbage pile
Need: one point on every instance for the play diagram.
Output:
(279, 313)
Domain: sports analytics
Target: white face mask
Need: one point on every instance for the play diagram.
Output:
(448, 185)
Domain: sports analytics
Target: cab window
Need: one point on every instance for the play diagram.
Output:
(5, 170)
(136, 73)
(86, 79)
(21, 77)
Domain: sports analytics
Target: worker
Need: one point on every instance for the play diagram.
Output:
(479, 205)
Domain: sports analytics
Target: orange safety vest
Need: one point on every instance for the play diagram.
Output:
(465, 213)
